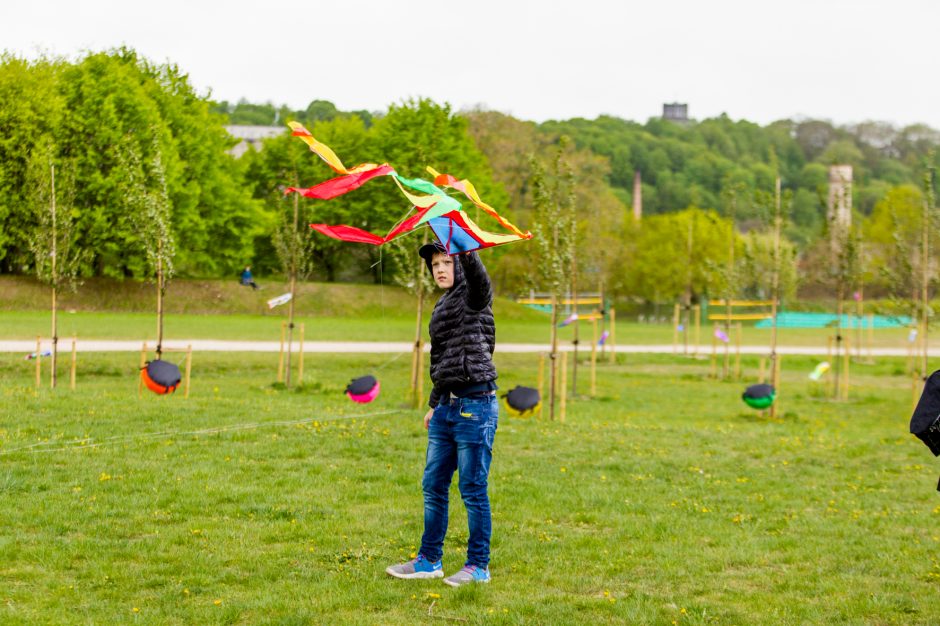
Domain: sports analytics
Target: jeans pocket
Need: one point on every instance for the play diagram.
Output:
(489, 433)
(476, 409)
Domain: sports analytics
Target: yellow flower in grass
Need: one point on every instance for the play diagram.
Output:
(217, 602)
(434, 595)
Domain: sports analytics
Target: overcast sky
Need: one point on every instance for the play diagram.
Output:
(846, 61)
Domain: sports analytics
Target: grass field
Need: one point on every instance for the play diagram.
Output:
(526, 327)
(662, 501)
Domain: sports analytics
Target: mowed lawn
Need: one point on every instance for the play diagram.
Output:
(516, 325)
(662, 501)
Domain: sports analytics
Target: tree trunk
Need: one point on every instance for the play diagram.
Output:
(160, 300)
(729, 292)
(553, 357)
(418, 348)
(55, 282)
(577, 324)
(925, 279)
(774, 295)
(293, 287)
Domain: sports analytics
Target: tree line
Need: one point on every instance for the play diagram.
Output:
(119, 129)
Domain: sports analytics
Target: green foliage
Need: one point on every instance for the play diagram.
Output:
(56, 260)
(555, 224)
(30, 116)
(676, 254)
(692, 164)
(225, 213)
(100, 107)
(892, 236)
(248, 114)
(756, 267)
(148, 204)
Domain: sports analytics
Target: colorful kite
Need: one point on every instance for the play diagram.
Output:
(603, 339)
(721, 336)
(568, 320)
(820, 369)
(442, 213)
(278, 301)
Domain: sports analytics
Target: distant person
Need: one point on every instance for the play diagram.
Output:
(247, 279)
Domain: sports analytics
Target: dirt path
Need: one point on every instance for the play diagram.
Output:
(213, 345)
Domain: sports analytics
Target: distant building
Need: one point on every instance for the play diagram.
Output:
(676, 112)
(251, 137)
(840, 196)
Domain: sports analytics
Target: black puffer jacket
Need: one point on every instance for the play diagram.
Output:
(463, 331)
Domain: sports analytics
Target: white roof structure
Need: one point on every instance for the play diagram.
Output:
(251, 136)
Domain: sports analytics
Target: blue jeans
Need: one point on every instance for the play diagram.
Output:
(460, 437)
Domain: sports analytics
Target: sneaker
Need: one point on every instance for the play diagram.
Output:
(416, 568)
(469, 574)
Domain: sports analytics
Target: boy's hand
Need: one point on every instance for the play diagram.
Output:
(427, 418)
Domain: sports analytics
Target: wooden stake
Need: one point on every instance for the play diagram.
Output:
(612, 339)
(914, 396)
(140, 372)
(871, 337)
(594, 357)
(413, 381)
(845, 368)
(675, 329)
(541, 382)
(74, 363)
(776, 375)
(859, 316)
(830, 376)
(697, 311)
(189, 367)
(564, 385)
(714, 368)
(300, 366)
(420, 370)
(38, 362)
(737, 353)
(280, 361)
(775, 381)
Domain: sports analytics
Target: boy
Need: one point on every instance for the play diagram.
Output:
(462, 421)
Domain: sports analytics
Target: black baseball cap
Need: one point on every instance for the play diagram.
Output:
(428, 250)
